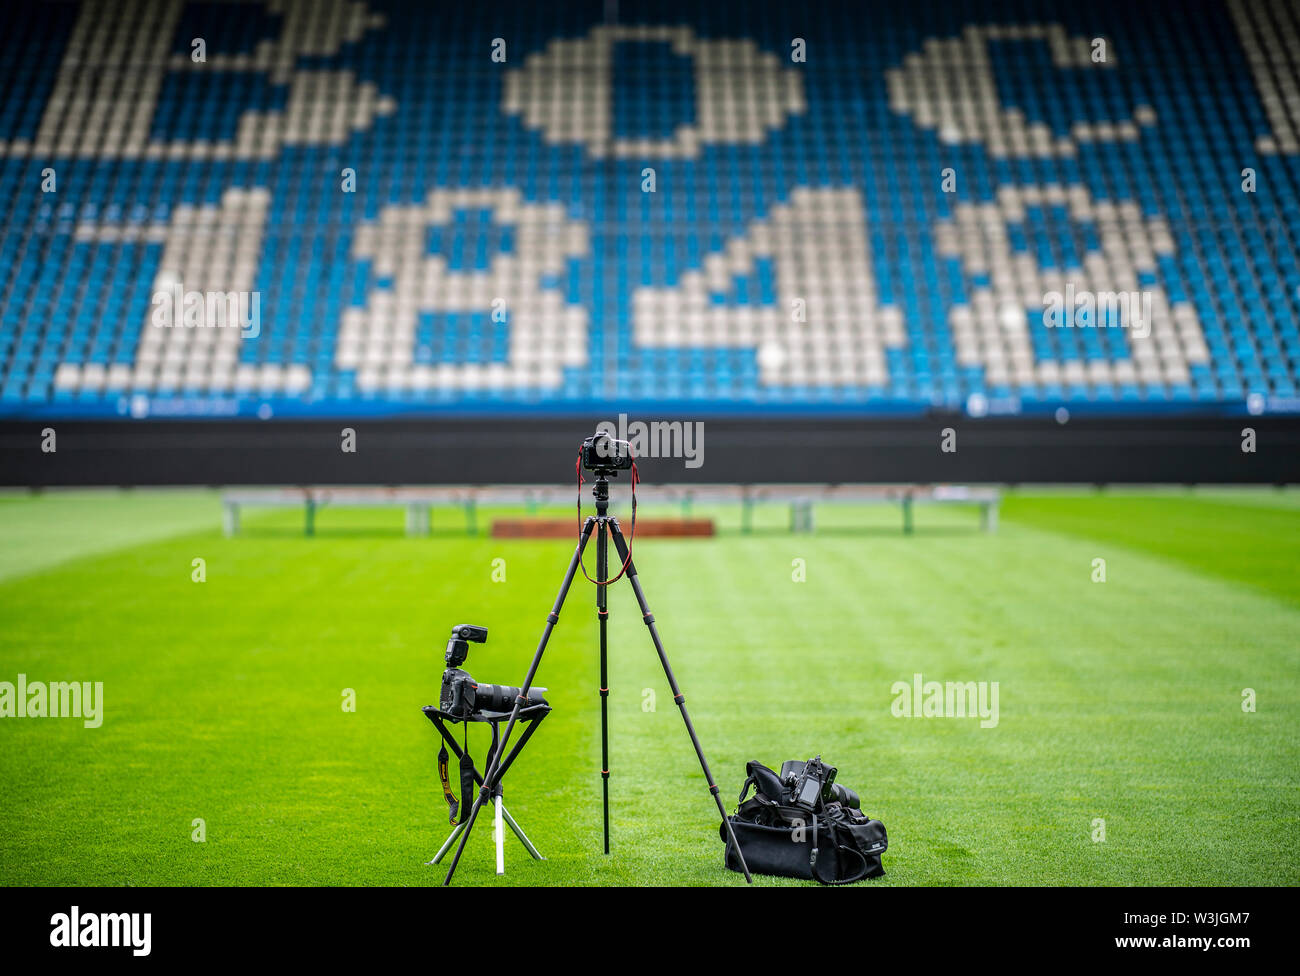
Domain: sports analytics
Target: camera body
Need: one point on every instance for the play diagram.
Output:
(812, 784)
(462, 697)
(459, 694)
(601, 452)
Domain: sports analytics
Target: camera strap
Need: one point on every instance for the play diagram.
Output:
(636, 478)
(466, 775)
(444, 774)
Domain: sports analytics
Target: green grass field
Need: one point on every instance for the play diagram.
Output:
(1119, 700)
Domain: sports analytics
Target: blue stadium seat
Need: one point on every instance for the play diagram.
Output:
(359, 208)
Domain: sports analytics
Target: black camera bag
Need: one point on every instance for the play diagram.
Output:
(832, 844)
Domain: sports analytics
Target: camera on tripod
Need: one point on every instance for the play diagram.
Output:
(601, 452)
(462, 696)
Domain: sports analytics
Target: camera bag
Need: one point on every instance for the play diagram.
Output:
(832, 844)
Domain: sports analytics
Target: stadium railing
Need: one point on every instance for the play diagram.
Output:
(419, 502)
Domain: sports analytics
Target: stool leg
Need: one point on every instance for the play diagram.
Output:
(446, 845)
(519, 832)
(501, 841)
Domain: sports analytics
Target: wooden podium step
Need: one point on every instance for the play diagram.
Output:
(568, 528)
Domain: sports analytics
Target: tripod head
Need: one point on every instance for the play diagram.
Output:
(600, 491)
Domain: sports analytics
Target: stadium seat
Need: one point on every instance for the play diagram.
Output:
(345, 205)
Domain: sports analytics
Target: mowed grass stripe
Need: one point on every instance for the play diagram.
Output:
(48, 528)
(1245, 537)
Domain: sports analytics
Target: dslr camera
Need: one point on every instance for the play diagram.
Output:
(600, 452)
(464, 698)
(812, 784)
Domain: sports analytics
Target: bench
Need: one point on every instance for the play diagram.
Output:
(802, 498)
(420, 502)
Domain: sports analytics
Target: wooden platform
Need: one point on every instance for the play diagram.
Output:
(540, 528)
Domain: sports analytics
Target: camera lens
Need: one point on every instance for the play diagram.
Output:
(501, 698)
(847, 797)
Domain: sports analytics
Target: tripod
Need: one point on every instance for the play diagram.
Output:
(606, 527)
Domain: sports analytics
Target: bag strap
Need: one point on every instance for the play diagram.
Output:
(841, 849)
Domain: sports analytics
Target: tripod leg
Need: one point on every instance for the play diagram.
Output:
(602, 612)
(621, 544)
(490, 776)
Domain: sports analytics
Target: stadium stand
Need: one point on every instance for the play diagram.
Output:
(354, 208)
